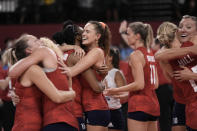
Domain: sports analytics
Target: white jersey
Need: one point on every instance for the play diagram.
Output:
(113, 103)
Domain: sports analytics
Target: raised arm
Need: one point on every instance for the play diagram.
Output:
(87, 61)
(36, 57)
(18, 68)
(171, 53)
(78, 50)
(88, 75)
(47, 87)
(123, 31)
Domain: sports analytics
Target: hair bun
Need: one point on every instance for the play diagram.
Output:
(67, 22)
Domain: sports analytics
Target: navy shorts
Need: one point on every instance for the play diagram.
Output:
(178, 114)
(59, 127)
(97, 117)
(82, 125)
(117, 121)
(141, 116)
(190, 129)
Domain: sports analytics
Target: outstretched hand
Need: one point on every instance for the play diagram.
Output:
(123, 26)
(110, 91)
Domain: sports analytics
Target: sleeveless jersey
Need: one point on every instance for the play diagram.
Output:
(53, 112)
(113, 103)
(28, 115)
(90, 99)
(78, 110)
(188, 88)
(184, 91)
(4, 93)
(146, 100)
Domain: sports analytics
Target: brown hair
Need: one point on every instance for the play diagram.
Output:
(105, 39)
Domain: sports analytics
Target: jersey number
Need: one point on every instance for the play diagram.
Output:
(152, 74)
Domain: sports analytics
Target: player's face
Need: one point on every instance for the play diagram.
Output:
(33, 42)
(131, 37)
(89, 35)
(187, 29)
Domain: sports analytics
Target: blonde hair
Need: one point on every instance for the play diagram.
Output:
(166, 33)
(50, 44)
(7, 58)
(150, 37)
(144, 30)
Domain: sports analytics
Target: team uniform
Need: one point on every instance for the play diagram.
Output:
(187, 89)
(7, 110)
(78, 109)
(58, 116)
(117, 121)
(28, 115)
(143, 105)
(94, 104)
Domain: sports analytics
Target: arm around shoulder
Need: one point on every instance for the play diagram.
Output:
(47, 87)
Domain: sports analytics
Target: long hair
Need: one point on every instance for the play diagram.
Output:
(105, 39)
(145, 32)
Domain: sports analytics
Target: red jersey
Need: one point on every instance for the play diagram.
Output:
(53, 112)
(188, 89)
(161, 76)
(146, 100)
(90, 99)
(4, 93)
(184, 91)
(28, 116)
(78, 110)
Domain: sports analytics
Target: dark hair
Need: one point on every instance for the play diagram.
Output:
(71, 32)
(115, 54)
(67, 22)
(105, 39)
(58, 37)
